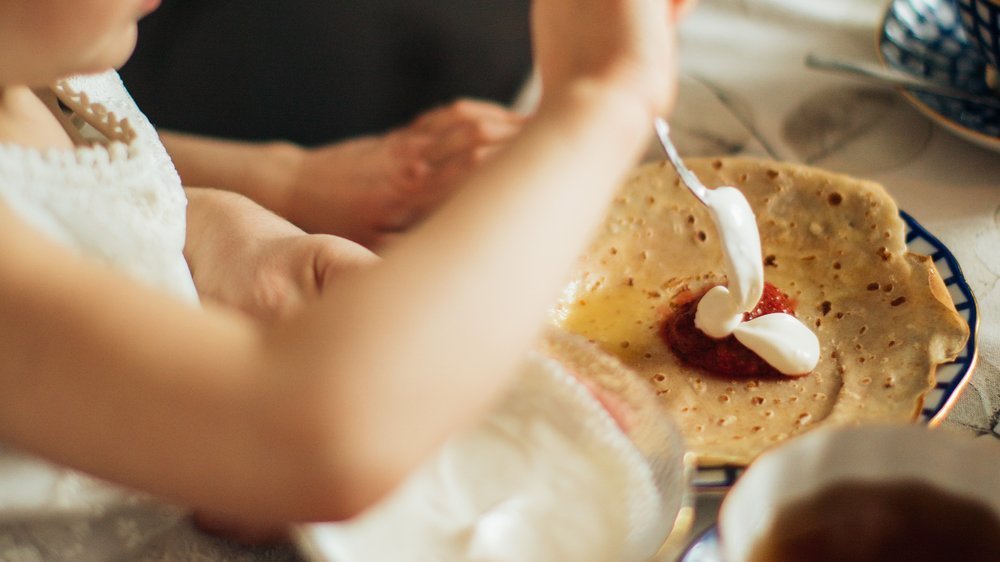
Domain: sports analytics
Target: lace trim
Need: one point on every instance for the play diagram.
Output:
(118, 144)
(95, 114)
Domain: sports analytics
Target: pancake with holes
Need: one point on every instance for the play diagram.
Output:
(833, 250)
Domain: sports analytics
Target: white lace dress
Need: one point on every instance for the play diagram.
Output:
(119, 202)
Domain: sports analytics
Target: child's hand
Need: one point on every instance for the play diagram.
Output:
(245, 257)
(371, 188)
(623, 44)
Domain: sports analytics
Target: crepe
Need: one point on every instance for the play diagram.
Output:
(834, 244)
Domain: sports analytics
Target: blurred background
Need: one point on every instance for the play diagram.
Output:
(313, 72)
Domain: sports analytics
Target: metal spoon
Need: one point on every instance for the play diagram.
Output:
(687, 177)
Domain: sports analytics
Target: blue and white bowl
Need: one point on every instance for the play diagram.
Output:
(981, 22)
(926, 38)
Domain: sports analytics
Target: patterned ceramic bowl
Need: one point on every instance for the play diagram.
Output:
(981, 22)
(926, 38)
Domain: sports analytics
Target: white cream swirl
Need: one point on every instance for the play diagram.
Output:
(780, 339)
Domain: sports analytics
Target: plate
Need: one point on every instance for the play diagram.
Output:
(925, 38)
(951, 378)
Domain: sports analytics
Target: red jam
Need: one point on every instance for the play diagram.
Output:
(726, 356)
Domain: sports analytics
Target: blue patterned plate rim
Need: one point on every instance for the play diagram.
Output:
(949, 58)
(951, 377)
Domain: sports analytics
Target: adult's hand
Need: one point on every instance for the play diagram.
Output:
(367, 189)
(371, 188)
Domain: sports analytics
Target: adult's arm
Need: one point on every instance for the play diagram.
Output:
(366, 189)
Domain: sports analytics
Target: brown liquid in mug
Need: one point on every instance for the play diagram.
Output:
(879, 522)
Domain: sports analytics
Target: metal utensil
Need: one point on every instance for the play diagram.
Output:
(896, 78)
(687, 177)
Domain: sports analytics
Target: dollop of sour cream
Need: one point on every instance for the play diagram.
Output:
(780, 339)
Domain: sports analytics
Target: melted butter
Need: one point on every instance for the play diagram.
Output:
(611, 316)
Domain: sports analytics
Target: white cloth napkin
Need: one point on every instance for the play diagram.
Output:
(548, 476)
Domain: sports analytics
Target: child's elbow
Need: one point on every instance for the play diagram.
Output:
(345, 477)
(344, 499)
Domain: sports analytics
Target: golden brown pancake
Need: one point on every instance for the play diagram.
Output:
(833, 243)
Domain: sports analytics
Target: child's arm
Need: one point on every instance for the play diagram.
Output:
(245, 257)
(366, 189)
(324, 414)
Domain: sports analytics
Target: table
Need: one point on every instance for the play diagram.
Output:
(745, 90)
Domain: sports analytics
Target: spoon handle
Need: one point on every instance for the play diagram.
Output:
(896, 78)
(687, 177)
